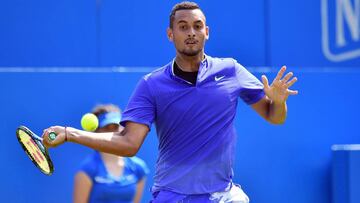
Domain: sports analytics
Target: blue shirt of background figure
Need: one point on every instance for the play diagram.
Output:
(109, 189)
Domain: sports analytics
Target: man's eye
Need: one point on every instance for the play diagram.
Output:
(183, 27)
(198, 27)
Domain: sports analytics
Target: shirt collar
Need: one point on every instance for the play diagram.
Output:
(203, 63)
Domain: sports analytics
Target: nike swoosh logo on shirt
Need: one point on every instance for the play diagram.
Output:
(219, 78)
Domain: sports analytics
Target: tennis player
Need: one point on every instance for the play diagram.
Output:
(192, 101)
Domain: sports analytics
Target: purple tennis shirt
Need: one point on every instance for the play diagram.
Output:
(194, 124)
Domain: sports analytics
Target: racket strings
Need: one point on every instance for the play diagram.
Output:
(35, 152)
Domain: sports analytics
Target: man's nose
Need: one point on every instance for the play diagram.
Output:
(191, 32)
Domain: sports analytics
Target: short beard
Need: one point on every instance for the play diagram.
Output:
(190, 52)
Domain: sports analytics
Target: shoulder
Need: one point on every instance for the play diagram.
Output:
(229, 64)
(137, 162)
(90, 159)
(223, 66)
(157, 73)
(90, 164)
(224, 62)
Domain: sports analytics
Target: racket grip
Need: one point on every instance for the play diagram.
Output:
(52, 136)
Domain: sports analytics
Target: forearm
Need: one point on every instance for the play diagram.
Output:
(277, 112)
(113, 142)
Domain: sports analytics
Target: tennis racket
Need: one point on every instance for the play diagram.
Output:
(35, 149)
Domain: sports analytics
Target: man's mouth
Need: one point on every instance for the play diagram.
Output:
(191, 41)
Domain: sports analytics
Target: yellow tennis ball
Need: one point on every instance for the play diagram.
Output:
(89, 122)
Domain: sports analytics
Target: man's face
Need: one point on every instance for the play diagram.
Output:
(189, 32)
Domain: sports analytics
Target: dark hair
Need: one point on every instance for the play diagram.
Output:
(105, 108)
(185, 5)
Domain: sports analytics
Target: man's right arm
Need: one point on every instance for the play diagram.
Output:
(123, 143)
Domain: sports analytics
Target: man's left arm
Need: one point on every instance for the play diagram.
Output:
(272, 106)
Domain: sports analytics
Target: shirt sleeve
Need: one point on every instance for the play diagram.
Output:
(141, 106)
(251, 89)
(89, 166)
(140, 168)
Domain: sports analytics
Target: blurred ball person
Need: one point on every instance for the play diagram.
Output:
(107, 178)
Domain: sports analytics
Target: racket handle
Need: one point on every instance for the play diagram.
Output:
(52, 136)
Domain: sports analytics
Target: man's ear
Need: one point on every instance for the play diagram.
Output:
(207, 32)
(170, 34)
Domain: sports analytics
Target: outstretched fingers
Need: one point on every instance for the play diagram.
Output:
(293, 92)
(280, 74)
(291, 82)
(287, 77)
(265, 81)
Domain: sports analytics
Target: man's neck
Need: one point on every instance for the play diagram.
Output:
(189, 63)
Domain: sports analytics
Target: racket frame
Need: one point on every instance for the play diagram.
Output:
(39, 144)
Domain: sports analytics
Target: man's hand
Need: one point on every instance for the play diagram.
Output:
(279, 91)
(60, 136)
